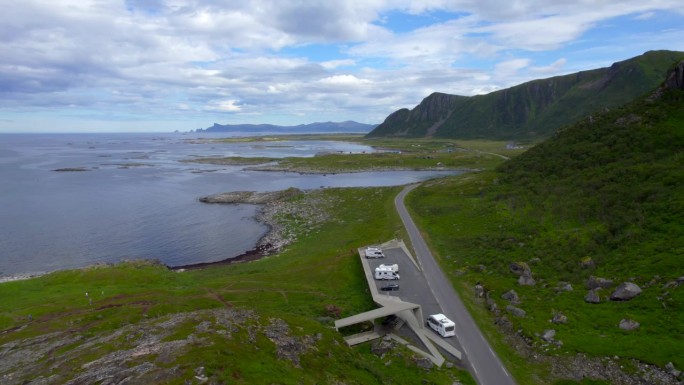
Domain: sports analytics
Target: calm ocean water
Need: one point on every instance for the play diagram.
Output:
(137, 200)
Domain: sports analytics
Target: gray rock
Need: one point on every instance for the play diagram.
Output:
(516, 311)
(680, 280)
(564, 286)
(672, 370)
(628, 324)
(598, 282)
(548, 335)
(625, 292)
(479, 291)
(423, 362)
(511, 296)
(382, 345)
(559, 318)
(526, 280)
(519, 268)
(592, 296)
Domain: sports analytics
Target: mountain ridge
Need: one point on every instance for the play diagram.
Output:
(534, 109)
(348, 126)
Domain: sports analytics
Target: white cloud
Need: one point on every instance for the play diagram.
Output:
(511, 66)
(224, 106)
(193, 57)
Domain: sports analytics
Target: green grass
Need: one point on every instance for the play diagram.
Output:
(608, 191)
(297, 286)
(418, 154)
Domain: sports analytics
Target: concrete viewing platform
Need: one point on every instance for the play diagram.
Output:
(410, 313)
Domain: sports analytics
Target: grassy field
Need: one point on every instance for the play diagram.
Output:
(603, 198)
(315, 280)
(395, 154)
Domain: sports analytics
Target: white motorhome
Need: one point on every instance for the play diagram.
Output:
(374, 252)
(386, 274)
(394, 268)
(442, 325)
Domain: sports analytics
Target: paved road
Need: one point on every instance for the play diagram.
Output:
(483, 363)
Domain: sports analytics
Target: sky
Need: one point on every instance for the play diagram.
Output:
(166, 65)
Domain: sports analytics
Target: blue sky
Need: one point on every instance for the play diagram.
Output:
(165, 65)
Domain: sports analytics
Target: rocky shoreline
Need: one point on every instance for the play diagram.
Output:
(272, 205)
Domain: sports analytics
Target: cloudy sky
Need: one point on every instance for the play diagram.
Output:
(165, 65)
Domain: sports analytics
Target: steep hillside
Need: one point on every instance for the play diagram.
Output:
(534, 109)
(546, 241)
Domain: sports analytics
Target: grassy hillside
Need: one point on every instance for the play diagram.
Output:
(263, 322)
(534, 109)
(605, 198)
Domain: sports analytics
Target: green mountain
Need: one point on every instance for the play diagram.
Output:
(534, 109)
(601, 198)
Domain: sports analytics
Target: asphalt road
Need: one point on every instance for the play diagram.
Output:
(484, 364)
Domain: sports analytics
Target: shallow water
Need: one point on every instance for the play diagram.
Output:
(138, 201)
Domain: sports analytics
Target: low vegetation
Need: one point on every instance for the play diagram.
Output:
(268, 321)
(602, 198)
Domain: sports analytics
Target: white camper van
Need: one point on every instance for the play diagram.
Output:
(394, 268)
(442, 325)
(385, 273)
(374, 252)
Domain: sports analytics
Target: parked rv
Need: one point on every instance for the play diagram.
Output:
(394, 268)
(442, 325)
(374, 252)
(386, 274)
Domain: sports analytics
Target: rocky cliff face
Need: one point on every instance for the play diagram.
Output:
(675, 79)
(534, 109)
(417, 122)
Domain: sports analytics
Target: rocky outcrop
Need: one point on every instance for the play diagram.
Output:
(382, 346)
(251, 197)
(625, 292)
(675, 78)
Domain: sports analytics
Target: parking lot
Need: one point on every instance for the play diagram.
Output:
(413, 286)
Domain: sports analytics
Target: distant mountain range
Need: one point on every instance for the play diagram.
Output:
(321, 127)
(531, 110)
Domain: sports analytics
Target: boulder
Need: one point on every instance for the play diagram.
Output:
(559, 318)
(592, 296)
(564, 286)
(625, 292)
(526, 280)
(511, 296)
(423, 362)
(548, 335)
(628, 324)
(479, 291)
(598, 282)
(382, 345)
(680, 280)
(516, 311)
(519, 268)
(672, 370)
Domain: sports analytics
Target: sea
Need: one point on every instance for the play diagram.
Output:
(134, 197)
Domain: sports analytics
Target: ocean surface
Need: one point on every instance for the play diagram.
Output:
(137, 200)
